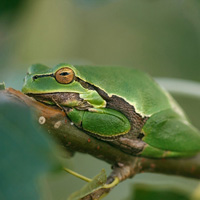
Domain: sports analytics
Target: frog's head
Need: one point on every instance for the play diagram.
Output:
(42, 81)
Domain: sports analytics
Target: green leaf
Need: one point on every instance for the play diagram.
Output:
(157, 192)
(26, 154)
(96, 183)
(2, 86)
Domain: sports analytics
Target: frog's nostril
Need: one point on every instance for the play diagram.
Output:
(34, 77)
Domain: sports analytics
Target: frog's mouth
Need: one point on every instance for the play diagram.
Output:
(68, 99)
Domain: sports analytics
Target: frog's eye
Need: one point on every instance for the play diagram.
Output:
(64, 75)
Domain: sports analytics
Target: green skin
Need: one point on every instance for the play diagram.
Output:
(155, 127)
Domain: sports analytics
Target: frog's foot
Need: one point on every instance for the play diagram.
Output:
(129, 145)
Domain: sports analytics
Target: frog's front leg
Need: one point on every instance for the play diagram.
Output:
(103, 123)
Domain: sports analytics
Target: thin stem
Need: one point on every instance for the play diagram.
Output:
(77, 175)
(114, 183)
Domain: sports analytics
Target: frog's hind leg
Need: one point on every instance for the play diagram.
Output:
(102, 122)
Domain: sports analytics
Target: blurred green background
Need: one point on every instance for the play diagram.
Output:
(161, 37)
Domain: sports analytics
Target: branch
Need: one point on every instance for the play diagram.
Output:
(74, 140)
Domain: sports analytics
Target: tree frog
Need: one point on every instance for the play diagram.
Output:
(122, 106)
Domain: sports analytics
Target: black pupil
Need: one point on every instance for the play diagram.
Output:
(64, 73)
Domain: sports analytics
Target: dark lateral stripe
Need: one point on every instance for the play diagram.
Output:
(43, 75)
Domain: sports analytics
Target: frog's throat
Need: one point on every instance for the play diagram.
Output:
(65, 99)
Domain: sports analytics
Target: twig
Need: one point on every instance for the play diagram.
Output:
(124, 165)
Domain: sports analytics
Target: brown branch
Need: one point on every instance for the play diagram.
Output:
(74, 140)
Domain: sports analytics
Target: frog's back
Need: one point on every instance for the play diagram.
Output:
(134, 86)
